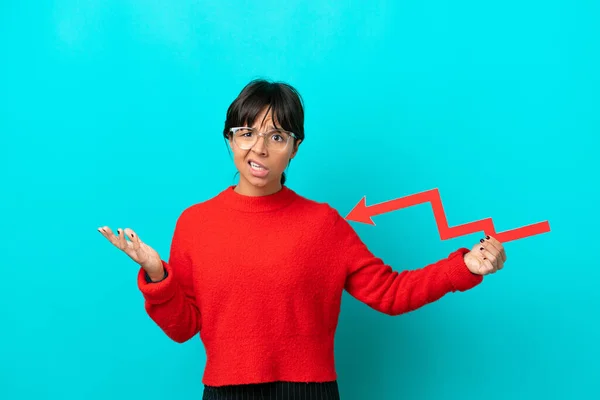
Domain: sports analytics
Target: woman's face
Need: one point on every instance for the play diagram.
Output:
(265, 178)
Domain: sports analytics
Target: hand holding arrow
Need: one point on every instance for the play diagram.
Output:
(486, 257)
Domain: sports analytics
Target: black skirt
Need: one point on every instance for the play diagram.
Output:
(274, 391)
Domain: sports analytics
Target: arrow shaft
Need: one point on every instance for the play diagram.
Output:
(486, 225)
(403, 202)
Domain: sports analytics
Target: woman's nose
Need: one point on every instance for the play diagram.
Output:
(260, 145)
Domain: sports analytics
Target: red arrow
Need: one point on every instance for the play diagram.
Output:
(363, 213)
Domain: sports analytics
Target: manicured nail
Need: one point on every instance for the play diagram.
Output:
(487, 237)
(481, 248)
(484, 258)
(132, 235)
(481, 240)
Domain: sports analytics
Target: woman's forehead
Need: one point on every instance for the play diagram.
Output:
(264, 121)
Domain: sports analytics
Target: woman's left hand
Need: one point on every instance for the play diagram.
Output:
(486, 257)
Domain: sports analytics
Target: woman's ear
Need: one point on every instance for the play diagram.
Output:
(296, 146)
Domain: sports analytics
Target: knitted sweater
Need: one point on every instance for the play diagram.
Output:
(260, 278)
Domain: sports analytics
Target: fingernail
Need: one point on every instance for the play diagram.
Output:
(481, 240)
(481, 248)
(132, 235)
(487, 237)
(484, 258)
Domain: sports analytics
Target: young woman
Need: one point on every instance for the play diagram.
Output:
(258, 270)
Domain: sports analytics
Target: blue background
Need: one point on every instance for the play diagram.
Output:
(111, 114)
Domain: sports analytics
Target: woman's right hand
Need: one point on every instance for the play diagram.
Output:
(137, 250)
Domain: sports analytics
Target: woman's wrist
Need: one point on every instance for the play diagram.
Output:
(157, 276)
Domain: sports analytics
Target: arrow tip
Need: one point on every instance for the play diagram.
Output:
(360, 213)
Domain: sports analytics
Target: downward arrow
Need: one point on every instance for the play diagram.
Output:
(363, 213)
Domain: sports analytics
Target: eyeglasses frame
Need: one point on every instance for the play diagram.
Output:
(234, 129)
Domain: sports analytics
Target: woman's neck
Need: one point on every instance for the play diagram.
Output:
(247, 189)
(233, 198)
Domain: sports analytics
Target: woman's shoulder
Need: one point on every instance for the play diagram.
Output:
(196, 209)
(318, 209)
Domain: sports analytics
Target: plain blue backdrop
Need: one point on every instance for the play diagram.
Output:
(111, 114)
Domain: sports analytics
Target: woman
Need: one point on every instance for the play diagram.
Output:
(258, 270)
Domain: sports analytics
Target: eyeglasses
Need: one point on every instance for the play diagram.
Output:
(275, 139)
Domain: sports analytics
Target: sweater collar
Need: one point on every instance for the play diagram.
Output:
(269, 202)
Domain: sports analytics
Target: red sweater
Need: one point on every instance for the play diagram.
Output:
(261, 280)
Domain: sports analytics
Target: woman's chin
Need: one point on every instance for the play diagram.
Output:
(257, 181)
(261, 182)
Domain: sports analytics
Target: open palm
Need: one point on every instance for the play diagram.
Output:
(137, 250)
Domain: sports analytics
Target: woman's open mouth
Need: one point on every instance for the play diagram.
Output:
(258, 170)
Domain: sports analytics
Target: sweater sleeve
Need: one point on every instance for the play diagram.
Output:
(392, 292)
(171, 302)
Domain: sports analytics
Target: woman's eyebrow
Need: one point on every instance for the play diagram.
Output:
(267, 127)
